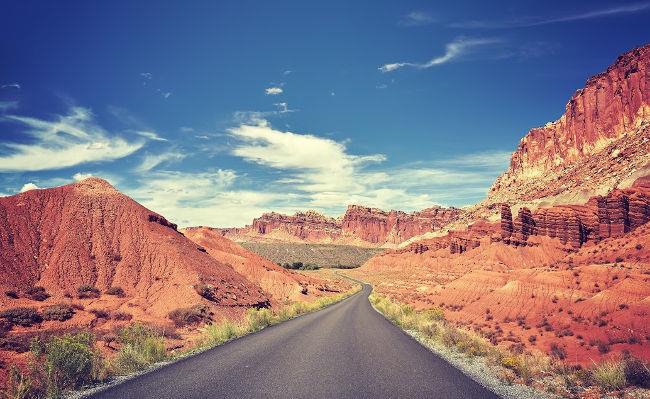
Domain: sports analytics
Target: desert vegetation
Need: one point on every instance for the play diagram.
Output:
(322, 255)
(59, 364)
(513, 364)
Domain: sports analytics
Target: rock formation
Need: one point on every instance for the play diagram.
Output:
(88, 233)
(359, 226)
(600, 142)
(601, 217)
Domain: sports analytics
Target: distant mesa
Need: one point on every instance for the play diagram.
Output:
(360, 225)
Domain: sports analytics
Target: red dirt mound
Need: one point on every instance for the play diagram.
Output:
(88, 233)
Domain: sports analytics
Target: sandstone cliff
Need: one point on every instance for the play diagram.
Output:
(359, 225)
(602, 140)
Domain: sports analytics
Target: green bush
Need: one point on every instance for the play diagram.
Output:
(257, 319)
(22, 316)
(58, 312)
(206, 291)
(141, 347)
(87, 291)
(216, 334)
(609, 375)
(71, 360)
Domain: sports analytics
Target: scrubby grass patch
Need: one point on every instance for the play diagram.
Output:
(141, 347)
(534, 368)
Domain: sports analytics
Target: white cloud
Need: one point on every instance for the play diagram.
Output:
(81, 176)
(28, 186)
(287, 72)
(146, 75)
(203, 198)
(453, 50)
(68, 140)
(283, 108)
(149, 162)
(537, 21)
(416, 18)
(11, 86)
(273, 91)
(187, 129)
(8, 105)
(150, 135)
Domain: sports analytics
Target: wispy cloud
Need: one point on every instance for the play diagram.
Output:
(537, 21)
(283, 108)
(416, 18)
(273, 91)
(453, 50)
(68, 140)
(11, 86)
(150, 135)
(151, 161)
(8, 105)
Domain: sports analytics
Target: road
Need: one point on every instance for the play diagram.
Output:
(347, 350)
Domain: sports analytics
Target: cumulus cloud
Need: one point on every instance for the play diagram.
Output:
(204, 198)
(81, 176)
(524, 22)
(66, 141)
(453, 50)
(416, 18)
(273, 91)
(28, 186)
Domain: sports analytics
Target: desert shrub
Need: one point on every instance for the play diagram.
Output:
(216, 334)
(257, 319)
(557, 351)
(58, 312)
(619, 259)
(188, 316)
(11, 294)
(603, 347)
(122, 316)
(141, 347)
(20, 385)
(5, 327)
(609, 375)
(638, 247)
(636, 372)
(101, 313)
(77, 306)
(87, 291)
(532, 339)
(65, 362)
(22, 316)
(117, 291)
(206, 291)
(436, 314)
(37, 293)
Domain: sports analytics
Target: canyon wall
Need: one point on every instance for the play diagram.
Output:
(602, 141)
(358, 226)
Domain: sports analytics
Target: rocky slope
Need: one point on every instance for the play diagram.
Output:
(546, 275)
(359, 225)
(281, 284)
(602, 140)
(88, 233)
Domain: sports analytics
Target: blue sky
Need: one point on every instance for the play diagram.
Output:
(216, 112)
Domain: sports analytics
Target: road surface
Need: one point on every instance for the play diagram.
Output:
(344, 351)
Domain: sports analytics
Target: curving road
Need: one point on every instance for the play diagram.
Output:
(344, 351)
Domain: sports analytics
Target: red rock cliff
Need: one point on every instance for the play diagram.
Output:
(600, 119)
(360, 225)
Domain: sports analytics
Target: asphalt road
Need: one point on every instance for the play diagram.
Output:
(344, 351)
